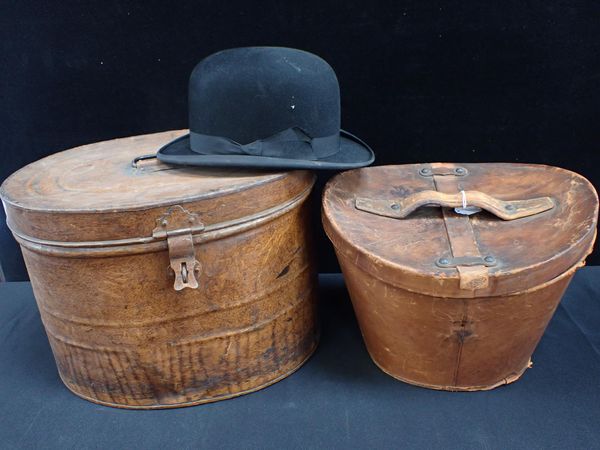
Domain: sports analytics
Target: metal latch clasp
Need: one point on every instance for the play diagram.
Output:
(177, 225)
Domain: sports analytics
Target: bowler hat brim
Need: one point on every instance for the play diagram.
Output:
(353, 154)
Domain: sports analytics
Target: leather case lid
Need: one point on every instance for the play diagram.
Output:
(523, 252)
(94, 193)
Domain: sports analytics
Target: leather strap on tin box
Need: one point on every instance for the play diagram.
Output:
(471, 265)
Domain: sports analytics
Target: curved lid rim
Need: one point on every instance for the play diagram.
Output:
(395, 272)
(11, 183)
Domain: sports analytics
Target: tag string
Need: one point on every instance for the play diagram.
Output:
(464, 199)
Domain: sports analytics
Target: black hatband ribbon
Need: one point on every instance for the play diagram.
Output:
(292, 143)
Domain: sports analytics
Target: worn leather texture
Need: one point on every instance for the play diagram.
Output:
(474, 324)
(339, 399)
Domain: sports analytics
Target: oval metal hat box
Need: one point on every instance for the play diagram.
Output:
(163, 286)
(454, 270)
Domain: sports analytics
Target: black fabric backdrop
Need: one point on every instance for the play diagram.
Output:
(338, 399)
(421, 81)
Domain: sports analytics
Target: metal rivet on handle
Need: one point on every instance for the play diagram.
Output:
(489, 259)
(460, 171)
(509, 207)
(425, 171)
(443, 261)
(395, 206)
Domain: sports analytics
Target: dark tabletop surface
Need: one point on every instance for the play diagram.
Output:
(339, 399)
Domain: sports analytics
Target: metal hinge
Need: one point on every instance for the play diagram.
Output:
(177, 225)
(443, 170)
(467, 261)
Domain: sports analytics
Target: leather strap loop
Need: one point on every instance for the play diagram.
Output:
(462, 238)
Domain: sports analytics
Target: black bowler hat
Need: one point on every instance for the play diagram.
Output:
(265, 107)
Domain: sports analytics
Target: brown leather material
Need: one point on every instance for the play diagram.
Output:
(461, 237)
(403, 252)
(464, 244)
(450, 301)
(171, 287)
(504, 210)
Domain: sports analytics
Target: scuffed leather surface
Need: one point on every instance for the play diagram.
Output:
(339, 399)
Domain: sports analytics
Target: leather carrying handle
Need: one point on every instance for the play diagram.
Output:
(506, 210)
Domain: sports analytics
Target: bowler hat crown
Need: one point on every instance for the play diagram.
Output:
(265, 107)
(247, 94)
